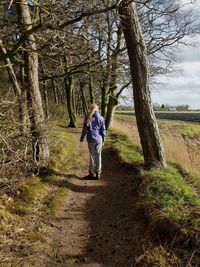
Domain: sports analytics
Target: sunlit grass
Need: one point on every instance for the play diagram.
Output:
(171, 192)
(168, 188)
(157, 257)
(129, 151)
(185, 128)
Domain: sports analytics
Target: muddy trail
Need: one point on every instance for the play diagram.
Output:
(99, 223)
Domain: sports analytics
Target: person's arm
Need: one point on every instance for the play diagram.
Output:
(103, 130)
(84, 132)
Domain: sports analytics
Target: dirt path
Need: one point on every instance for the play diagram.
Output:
(98, 224)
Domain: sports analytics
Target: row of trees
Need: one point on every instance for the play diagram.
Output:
(183, 107)
(74, 53)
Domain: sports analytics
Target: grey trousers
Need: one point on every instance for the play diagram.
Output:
(95, 157)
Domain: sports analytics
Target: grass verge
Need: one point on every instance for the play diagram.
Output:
(24, 214)
(171, 201)
(186, 129)
(128, 151)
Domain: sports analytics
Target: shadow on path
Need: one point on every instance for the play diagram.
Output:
(115, 222)
(100, 223)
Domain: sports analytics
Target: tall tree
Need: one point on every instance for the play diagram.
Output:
(34, 101)
(69, 88)
(147, 125)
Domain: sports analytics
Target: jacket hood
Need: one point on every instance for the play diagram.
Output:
(96, 114)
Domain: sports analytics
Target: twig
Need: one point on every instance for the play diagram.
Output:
(190, 260)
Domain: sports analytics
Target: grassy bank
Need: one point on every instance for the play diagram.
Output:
(25, 214)
(181, 140)
(186, 129)
(171, 201)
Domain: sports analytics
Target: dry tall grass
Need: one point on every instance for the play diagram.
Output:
(183, 150)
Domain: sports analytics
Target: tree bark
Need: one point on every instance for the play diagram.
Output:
(113, 97)
(112, 104)
(91, 88)
(55, 93)
(147, 125)
(46, 99)
(77, 103)
(69, 88)
(23, 111)
(69, 85)
(84, 104)
(34, 99)
(104, 99)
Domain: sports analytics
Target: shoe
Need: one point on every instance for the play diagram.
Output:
(90, 176)
(98, 176)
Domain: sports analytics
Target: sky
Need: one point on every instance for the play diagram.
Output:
(182, 86)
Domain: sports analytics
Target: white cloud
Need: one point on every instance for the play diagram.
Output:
(182, 86)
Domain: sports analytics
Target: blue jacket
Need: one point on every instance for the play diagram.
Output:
(96, 131)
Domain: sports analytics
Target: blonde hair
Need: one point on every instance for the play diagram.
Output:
(93, 108)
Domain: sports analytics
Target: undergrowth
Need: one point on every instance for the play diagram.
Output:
(23, 214)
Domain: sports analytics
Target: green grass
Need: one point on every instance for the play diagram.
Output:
(28, 192)
(175, 196)
(55, 201)
(185, 128)
(129, 151)
(195, 179)
(63, 146)
(170, 198)
(171, 192)
(192, 130)
(192, 178)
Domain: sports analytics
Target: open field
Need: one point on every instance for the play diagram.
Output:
(191, 116)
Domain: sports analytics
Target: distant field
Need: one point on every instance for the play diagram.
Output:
(192, 116)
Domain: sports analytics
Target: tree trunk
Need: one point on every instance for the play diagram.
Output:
(103, 99)
(36, 112)
(77, 103)
(55, 93)
(91, 88)
(84, 104)
(112, 104)
(113, 98)
(69, 85)
(147, 125)
(46, 100)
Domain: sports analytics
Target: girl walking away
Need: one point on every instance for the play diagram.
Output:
(94, 128)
